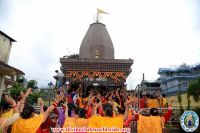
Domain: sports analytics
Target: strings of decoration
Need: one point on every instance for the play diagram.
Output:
(78, 75)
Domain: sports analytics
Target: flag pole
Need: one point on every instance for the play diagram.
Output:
(97, 15)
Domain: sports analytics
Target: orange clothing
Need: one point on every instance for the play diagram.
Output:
(30, 125)
(69, 122)
(75, 122)
(151, 124)
(153, 103)
(164, 102)
(107, 122)
(80, 102)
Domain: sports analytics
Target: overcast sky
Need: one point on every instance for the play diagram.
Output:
(154, 33)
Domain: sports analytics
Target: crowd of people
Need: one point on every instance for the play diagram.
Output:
(73, 109)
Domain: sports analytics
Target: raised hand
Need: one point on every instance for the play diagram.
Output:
(41, 102)
(60, 97)
(22, 94)
(29, 91)
(10, 100)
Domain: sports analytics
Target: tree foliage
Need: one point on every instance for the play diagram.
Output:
(43, 94)
(33, 98)
(194, 89)
(32, 84)
(16, 89)
(20, 79)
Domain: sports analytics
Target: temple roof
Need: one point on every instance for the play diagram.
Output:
(97, 43)
(103, 65)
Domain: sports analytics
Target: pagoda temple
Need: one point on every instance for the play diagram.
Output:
(96, 68)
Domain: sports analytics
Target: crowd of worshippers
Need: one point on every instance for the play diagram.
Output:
(73, 109)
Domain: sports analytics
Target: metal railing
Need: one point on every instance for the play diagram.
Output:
(172, 125)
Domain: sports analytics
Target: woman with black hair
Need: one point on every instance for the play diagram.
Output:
(29, 123)
(9, 115)
(108, 120)
(153, 123)
(107, 110)
(77, 120)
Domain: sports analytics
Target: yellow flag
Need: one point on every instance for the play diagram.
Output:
(101, 11)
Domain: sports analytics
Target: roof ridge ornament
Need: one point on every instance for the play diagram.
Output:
(99, 11)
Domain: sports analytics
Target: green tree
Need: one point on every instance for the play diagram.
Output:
(194, 89)
(20, 79)
(16, 89)
(43, 94)
(32, 84)
(33, 98)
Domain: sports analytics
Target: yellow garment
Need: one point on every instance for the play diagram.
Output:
(151, 124)
(69, 122)
(153, 103)
(81, 122)
(30, 125)
(7, 121)
(7, 114)
(109, 122)
(75, 122)
(164, 102)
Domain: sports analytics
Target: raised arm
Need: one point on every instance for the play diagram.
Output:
(169, 112)
(54, 105)
(66, 109)
(12, 102)
(15, 107)
(41, 103)
(126, 112)
(23, 100)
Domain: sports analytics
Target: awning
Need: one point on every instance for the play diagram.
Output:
(6, 69)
